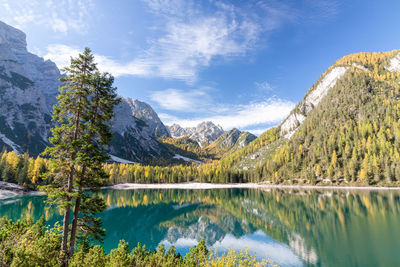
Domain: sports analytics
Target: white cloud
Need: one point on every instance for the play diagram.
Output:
(59, 15)
(194, 37)
(270, 111)
(182, 100)
(59, 25)
(61, 54)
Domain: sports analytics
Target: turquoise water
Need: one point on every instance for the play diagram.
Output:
(291, 227)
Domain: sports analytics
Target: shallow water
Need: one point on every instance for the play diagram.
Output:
(293, 227)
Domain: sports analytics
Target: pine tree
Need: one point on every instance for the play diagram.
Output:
(85, 107)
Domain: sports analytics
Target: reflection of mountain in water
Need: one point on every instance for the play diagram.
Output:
(203, 228)
(208, 229)
(293, 227)
(156, 222)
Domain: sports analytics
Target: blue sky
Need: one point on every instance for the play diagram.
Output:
(240, 64)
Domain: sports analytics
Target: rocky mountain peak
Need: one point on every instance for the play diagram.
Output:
(145, 112)
(205, 132)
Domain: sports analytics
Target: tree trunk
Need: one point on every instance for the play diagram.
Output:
(74, 225)
(75, 219)
(64, 244)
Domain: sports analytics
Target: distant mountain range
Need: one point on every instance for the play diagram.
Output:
(28, 90)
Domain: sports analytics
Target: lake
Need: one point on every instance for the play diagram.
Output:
(293, 227)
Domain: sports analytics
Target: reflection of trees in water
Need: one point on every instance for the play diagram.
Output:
(319, 225)
(23, 207)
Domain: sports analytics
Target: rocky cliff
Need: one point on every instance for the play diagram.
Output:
(28, 87)
(145, 112)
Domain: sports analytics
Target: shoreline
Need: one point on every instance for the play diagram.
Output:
(9, 190)
(15, 190)
(203, 186)
(4, 193)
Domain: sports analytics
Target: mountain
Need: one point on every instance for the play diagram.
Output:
(28, 90)
(346, 128)
(28, 87)
(133, 139)
(204, 133)
(229, 142)
(145, 112)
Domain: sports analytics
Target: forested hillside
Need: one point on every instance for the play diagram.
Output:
(352, 134)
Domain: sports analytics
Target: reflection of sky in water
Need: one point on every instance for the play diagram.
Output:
(258, 243)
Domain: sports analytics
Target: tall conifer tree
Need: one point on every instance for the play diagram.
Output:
(85, 106)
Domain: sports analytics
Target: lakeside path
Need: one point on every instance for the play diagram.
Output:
(131, 186)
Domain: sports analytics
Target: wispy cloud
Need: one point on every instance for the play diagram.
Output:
(61, 16)
(184, 38)
(192, 35)
(268, 112)
(319, 10)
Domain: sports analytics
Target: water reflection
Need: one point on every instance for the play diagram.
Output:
(292, 227)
